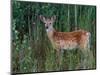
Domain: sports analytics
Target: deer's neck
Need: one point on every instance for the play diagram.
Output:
(50, 32)
(51, 37)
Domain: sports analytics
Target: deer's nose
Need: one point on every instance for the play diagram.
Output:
(46, 27)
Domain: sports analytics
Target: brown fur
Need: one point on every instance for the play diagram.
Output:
(79, 37)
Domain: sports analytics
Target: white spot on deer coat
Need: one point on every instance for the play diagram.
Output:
(66, 44)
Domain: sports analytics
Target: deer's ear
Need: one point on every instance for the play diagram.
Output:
(42, 18)
(53, 18)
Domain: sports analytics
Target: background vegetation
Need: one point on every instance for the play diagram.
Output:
(31, 48)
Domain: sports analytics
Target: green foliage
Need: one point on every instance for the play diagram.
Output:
(31, 48)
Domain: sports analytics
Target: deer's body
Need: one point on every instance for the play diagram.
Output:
(69, 40)
(66, 40)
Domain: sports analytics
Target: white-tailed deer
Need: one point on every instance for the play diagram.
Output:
(66, 40)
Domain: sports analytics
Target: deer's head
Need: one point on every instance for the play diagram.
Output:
(48, 22)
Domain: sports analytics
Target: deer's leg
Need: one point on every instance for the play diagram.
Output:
(83, 60)
(87, 54)
(59, 58)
